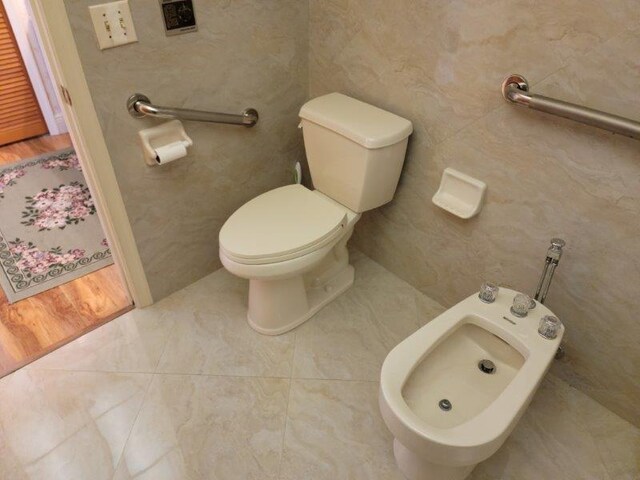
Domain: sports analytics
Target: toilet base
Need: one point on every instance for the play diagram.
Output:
(414, 467)
(277, 306)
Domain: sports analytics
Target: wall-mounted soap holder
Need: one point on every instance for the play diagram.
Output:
(164, 143)
(460, 194)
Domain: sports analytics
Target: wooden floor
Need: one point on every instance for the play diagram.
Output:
(14, 152)
(39, 324)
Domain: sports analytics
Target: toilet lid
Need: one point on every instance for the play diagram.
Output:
(287, 222)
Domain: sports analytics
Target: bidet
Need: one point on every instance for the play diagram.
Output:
(452, 392)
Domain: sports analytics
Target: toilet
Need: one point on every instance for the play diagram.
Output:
(452, 392)
(291, 242)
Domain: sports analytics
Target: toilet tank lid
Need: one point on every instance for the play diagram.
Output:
(365, 124)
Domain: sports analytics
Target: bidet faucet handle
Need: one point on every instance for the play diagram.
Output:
(488, 292)
(521, 305)
(549, 327)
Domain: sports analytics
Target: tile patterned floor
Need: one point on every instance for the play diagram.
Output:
(186, 390)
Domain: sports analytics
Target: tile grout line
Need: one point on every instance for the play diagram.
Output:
(81, 370)
(571, 60)
(500, 105)
(142, 404)
(133, 424)
(588, 428)
(350, 380)
(164, 349)
(286, 409)
(214, 375)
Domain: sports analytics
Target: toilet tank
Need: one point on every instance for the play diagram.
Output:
(355, 150)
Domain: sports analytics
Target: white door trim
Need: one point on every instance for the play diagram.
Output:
(82, 120)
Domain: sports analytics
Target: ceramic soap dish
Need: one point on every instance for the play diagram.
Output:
(460, 194)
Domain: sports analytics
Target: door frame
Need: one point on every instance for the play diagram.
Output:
(84, 127)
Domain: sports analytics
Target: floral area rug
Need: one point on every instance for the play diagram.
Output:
(49, 230)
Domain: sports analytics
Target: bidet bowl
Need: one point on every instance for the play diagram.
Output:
(452, 372)
(440, 362)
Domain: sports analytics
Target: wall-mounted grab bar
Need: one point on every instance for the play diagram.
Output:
(515, 89)
(140, 106)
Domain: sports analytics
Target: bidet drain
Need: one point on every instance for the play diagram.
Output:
(445, 405)
(487, 366)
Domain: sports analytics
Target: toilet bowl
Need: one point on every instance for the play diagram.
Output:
(292, 275)
(453, 391)
(291, 242)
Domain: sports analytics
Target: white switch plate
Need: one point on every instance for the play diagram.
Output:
(113, 24)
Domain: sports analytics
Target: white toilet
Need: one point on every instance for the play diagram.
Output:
(291, 242)
(452, 392)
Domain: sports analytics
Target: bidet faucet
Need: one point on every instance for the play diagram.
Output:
(551, 262)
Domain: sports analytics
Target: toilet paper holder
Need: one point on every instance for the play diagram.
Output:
(164, 143)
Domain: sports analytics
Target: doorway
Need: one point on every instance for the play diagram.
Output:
(57, 275)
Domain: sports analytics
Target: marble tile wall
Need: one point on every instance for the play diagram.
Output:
(546, 176)
(440, 64)
(245, 53)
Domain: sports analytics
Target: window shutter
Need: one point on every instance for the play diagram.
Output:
(20, 115)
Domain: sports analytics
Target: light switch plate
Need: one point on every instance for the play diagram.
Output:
(113, 24)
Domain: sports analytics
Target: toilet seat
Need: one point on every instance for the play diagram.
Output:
(282, 224)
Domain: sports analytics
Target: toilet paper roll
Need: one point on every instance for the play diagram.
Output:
(170, 152)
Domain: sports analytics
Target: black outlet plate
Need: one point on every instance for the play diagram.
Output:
(179, 16)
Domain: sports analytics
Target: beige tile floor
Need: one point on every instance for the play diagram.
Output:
(186, 390)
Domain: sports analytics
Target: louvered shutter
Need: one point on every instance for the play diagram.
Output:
(20, 115)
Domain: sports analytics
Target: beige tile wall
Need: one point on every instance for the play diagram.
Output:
(440, 64)
(245, 53)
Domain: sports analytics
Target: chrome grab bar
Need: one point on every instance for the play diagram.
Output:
(140, 106)
(515, 89)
